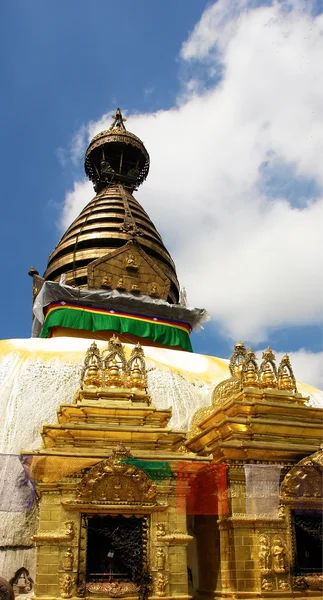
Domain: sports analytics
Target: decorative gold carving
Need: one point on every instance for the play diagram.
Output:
(121, 286)
(250, 370)
(160, 529)
(115, 589)
(285, 376)
(268, 370)
(264, 554)
(66, 585)
(106, 282)
(161, 581)
(131, 263)
(304, 482)
(172, 537)
(112, 370)
(225, 390)
(68, 559)
(271, 555)
(267, 585)
(198, 417)
(114, 481)
(237, 359)
(129, 268)
(314, 582)
(113, 374)
(55, 537)
(160, 559)
(91, 376)
(136, 368)
(153, 290)
(284, 585)
(278, 553)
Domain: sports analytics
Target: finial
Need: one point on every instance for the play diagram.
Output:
(250, 370)
(113, 375)
(91, 376)
(137, 368)
(285, 375)
(237, 359)
(118, 121)
(268, 369)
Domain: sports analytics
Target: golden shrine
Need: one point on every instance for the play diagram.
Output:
(165, 474)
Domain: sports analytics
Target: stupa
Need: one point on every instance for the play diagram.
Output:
(132, 467)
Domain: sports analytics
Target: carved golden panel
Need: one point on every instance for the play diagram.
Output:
(115, 481)
(128, 269)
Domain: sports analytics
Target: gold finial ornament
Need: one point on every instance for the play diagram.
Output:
(268, 369)
(285, 376)
(250, 370)
(113, 375)
(237, 359)
(114, 363)
(137, 368)
(91, 376)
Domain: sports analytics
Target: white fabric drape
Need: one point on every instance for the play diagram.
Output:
(262, 489)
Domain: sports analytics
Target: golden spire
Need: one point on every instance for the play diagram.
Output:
(268, 369)
(237, 359)
(285, 375)
(117, 162)
(250, 370)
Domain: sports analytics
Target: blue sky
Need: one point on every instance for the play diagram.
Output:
(178, 67)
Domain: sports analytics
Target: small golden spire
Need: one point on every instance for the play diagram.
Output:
(137, 368)
(268, 369)
(285, 376)
(113, 375)
(137, 380)
(237, 359)
(250, 370)
(91, 373)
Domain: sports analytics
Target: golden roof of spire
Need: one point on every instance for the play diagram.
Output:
(116, 161)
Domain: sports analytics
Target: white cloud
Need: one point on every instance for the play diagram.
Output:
(254, 261)
(307, 366)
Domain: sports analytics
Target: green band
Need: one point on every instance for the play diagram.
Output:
(78, 319)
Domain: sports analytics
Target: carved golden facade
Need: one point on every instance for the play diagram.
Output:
(93, 462)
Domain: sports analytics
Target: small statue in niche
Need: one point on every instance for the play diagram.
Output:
(278, 554)
(281, 512)
(66, 584)
(263, 554)
(267, 585)
(135, 288)
(160, 529)
(284, 586)
(160, 584)
(160, 559)
(106, 282)
(153, 291)
(131, 263)
(67, 562)
(121, 284)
